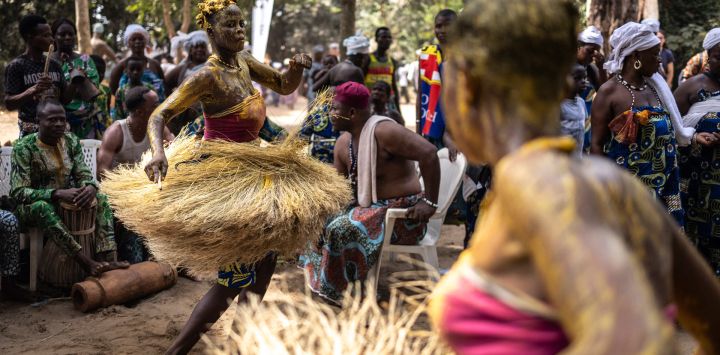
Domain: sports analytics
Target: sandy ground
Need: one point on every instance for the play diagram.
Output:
(146, 326)
(8, 126)
(149, 325)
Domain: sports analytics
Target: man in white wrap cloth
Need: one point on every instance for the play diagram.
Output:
(378, 156)
(698, 100)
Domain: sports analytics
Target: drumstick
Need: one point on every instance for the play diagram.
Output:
(47, 60)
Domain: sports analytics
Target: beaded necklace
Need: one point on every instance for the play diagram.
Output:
(353, 169)
(631, 89)
(230, 66)
(626, 84)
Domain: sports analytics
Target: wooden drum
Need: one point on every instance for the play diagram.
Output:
(78, 221)
(59, 269)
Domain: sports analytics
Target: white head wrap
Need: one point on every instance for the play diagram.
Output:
(357, 44)
(176, 42)
(632, 37)
(187, 41)
(712, 39)
(654, 24)
(627, 39)
(591, 35)
(98, 28)
(318, 49)
(194, 38)
(135, 28)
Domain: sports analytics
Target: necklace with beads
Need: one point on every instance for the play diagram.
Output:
(628, 85)
(631, 89)
(230, 66)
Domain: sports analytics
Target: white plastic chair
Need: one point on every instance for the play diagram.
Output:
(451, 174)
(5, 158)
(34, 236)
(90, 148)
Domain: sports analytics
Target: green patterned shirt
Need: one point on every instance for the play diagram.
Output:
(39, 169)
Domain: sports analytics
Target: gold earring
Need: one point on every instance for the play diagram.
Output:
(638, 64)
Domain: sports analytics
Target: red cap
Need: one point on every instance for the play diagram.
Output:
(353, 94)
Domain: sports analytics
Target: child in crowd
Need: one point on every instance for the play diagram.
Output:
(134, 71)
(573, 112)
(380, 98)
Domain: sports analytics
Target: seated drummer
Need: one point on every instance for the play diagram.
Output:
(382, 178)
(48, 167)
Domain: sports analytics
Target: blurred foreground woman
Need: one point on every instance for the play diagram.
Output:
(570, 255)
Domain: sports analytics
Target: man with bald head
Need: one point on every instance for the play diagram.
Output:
(318, 128)
(378, 156)
(350, 69)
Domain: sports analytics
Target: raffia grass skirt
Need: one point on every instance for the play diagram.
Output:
(228, 202)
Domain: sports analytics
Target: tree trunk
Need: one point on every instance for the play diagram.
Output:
(186, 16)
(607, 15)
(651, 9)
(347, 21)
(82, 21)
(167, 18)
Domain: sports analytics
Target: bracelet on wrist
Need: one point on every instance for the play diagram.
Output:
(429, 203)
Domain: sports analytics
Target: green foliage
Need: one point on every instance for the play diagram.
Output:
(11, 11)
(685, 24)
(298, 25)
(582, 9)
(411, 22)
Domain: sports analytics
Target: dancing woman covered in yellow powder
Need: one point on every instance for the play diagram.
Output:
(234, 111)
(570, 255)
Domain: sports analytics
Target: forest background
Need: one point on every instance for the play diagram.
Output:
(298, 25)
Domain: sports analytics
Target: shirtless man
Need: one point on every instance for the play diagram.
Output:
(396, 184)
(351, 68)
(100, 47)
(318, 127)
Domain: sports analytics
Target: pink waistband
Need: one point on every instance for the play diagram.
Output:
(474, 322)
(232, 128)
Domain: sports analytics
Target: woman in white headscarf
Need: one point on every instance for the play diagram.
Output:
(137, 39)
(589, 45)
(698, 99)
(196, 45)
(635, 121)
(590, 42)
